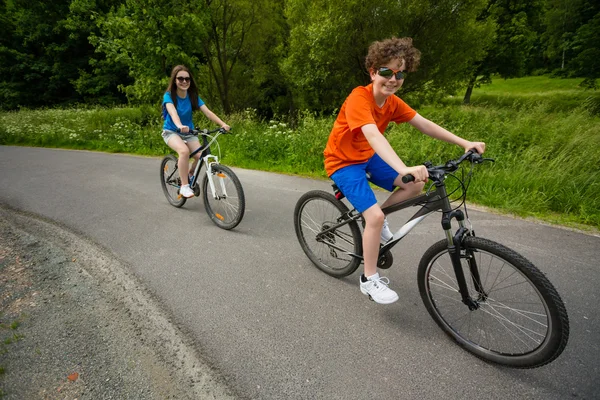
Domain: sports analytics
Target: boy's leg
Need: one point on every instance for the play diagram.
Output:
(371, 237)
(352, 181)
(387, 178)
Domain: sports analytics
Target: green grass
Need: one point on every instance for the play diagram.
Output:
(557, 94)
(543, 133)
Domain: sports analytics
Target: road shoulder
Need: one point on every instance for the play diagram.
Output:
(75, 324)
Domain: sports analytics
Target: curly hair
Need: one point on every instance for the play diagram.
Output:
(382, 52)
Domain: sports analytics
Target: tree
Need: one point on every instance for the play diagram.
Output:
(572, 36)
(329, 40)
(517, 25)
(150, 37)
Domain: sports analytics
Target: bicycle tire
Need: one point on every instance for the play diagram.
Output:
(227, 209)
(317, 210)
(170, 181)
(537, 326)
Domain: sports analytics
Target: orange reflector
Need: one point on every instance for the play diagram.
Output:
(166, 168)
(221, 175)
(219, 216)
(179, 197)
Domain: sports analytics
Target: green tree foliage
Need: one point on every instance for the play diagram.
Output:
(510, 53)
(244, 42)
(231, 46)
(43, 54)
(329, 40)
(36, 54)
(572, 35)
(150, 37)
(99, 81)
(277, 56)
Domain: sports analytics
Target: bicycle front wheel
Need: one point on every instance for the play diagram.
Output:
(520, 320)
(170, 181)
(226, 205)
(336, 252)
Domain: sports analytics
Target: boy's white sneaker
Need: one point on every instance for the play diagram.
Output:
(386, 234)
(186, 192)
(377, 289)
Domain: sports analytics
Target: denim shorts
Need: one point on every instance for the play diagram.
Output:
(167, 134)
(353, 181)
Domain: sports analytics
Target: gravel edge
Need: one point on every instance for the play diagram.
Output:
(86, 327)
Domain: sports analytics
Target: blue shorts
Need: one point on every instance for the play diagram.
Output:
(352, 180)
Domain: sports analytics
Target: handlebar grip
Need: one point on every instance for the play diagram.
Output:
(408, 178)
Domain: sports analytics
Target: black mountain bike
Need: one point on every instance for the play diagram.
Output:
(489, 299)
(221, 189)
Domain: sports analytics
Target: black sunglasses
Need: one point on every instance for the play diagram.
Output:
(183, 78)
(388, 73)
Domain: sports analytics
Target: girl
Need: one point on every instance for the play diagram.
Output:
(179, 101)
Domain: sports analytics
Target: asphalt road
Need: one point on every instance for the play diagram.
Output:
(274, 325)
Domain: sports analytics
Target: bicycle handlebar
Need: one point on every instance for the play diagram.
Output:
(472, 156)
(197, 132)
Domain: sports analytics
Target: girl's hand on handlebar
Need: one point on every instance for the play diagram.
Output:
(226, 127)
(184, 129)
(479, 147)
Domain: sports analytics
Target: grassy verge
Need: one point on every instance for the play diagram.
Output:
(542, 132)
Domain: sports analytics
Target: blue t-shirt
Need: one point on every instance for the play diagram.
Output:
(184, 111)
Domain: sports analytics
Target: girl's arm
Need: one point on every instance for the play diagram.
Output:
(213, 117)
(383, 148)
(175, 117)
(437, 132)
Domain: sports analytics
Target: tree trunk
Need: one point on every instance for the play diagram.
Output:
(470, 86)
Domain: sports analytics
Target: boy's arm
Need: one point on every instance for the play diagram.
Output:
(435, 131)
(382, 147)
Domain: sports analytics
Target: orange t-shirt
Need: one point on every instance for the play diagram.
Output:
(347, 144)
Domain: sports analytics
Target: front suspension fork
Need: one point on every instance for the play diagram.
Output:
(456, 250)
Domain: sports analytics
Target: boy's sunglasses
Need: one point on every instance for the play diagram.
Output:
(388, 73)
(183, 78)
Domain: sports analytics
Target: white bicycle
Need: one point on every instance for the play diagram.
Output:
(221, 189)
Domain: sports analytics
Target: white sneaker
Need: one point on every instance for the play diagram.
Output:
(377, 289)
(186, 192)
(386, 234)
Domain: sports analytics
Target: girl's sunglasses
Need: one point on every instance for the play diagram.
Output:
(388, 73)
(183, 78)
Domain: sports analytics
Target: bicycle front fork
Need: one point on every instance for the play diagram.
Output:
(458, 251)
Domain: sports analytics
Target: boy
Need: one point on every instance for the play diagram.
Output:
(356, 146)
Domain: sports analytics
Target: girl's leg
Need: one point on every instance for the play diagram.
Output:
(183, 152)
(194, 145)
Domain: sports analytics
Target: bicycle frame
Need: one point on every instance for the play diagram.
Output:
(208, 159)
(431, 202)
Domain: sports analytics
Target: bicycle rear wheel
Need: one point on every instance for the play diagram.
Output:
(520, 321)
(170, 181)
(336, 252)
(226, 207)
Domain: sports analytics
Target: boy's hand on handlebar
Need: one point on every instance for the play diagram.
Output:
(418, 171)
(479, 147)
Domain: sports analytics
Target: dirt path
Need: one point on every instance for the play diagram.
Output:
(74, 324)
